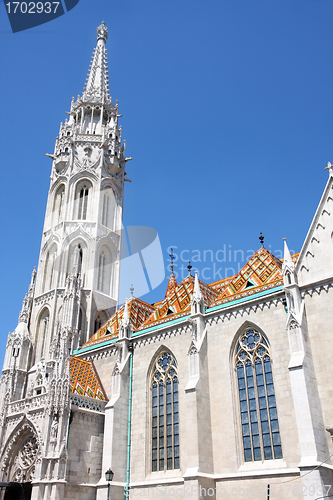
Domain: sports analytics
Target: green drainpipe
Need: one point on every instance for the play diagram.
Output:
(129, 429)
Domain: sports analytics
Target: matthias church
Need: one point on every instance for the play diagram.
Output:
(218, 391)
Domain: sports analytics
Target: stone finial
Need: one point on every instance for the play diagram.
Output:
(329, 168)
(125, 319)
(102, 32)
(197, 294)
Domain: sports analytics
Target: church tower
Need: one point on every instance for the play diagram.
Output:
(77, 279)
(75, 288)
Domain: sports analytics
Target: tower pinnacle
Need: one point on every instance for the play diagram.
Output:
(97, 87)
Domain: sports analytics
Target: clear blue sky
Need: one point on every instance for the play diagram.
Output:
(227, 113)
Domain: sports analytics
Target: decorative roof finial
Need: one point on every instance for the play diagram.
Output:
(172, 257)
(132, 290)
(102, 32)
(329, 167)
(189, 267)
(97, 85)
(261, 239)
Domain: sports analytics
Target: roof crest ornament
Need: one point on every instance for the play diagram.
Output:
(261, 239)
(172, 257)
(329, 168)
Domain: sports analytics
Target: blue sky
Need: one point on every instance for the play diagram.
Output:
(227, 113)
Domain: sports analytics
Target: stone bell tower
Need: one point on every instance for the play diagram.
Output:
(77, 279)
(75, 288)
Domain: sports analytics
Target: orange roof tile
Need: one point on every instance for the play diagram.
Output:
(262, 271)
(138, 310)
(83, 379)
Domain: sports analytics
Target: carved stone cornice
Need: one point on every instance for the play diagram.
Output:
(42, 299)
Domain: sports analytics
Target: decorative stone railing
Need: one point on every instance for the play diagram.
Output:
(28, 404)
(87, 403)
(88, 137)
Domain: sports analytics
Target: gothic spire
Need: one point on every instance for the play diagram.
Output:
(97, 86)
(287, 260)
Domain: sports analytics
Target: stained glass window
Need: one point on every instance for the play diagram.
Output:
(165, 414)
(259, 420)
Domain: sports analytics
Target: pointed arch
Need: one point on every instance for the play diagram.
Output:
(21, 453)
(43, 324)
(58, 205)
(105, 266)
(82, 199)
(101, 318)
(163, 380)
(82, 326)
(49, 271)
(109, 206)
(252, 366)
(77, 256)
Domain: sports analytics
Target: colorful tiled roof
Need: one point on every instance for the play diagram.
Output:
(262, 272)
(84, 380)
(138, 310)
(172, 283)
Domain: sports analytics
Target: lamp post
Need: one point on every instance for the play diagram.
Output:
(109, 476)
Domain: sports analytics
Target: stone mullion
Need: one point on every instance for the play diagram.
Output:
(258, 410)
(267, 406)
(248, 413)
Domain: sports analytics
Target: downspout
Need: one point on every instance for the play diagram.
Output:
(129, 429)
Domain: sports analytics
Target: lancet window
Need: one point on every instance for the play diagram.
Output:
(259, 419)
(165, 413)
(58, 205)
(83, 203)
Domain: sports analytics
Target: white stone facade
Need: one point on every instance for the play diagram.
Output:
(61, 442)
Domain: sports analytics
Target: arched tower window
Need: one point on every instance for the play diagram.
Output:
(49, 269)
(80, 259)
(259, 419)
(83, 203)
(109, 208)
(82, 196)
(101, 271)
(58, 205)
(104, 270)
(82, 326)
(42, 331)
(165, 413)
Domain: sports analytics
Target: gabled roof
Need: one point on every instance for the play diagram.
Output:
(138, 310)
(83, 379)
(172, 283)
(261, 272)
(315, 261)
(177, 301)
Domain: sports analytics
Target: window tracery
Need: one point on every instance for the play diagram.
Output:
(165, 413)
(259, 419)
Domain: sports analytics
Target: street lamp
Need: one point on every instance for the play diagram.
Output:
(109, 476)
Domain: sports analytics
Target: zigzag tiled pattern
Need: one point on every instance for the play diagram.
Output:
(83, 379)
(261, 272)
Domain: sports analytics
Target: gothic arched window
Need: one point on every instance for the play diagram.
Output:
(42, 332)
(83, 203)
(109, 208)
(58, 204)
(82, 195)
(259, 419)
(165, 413)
